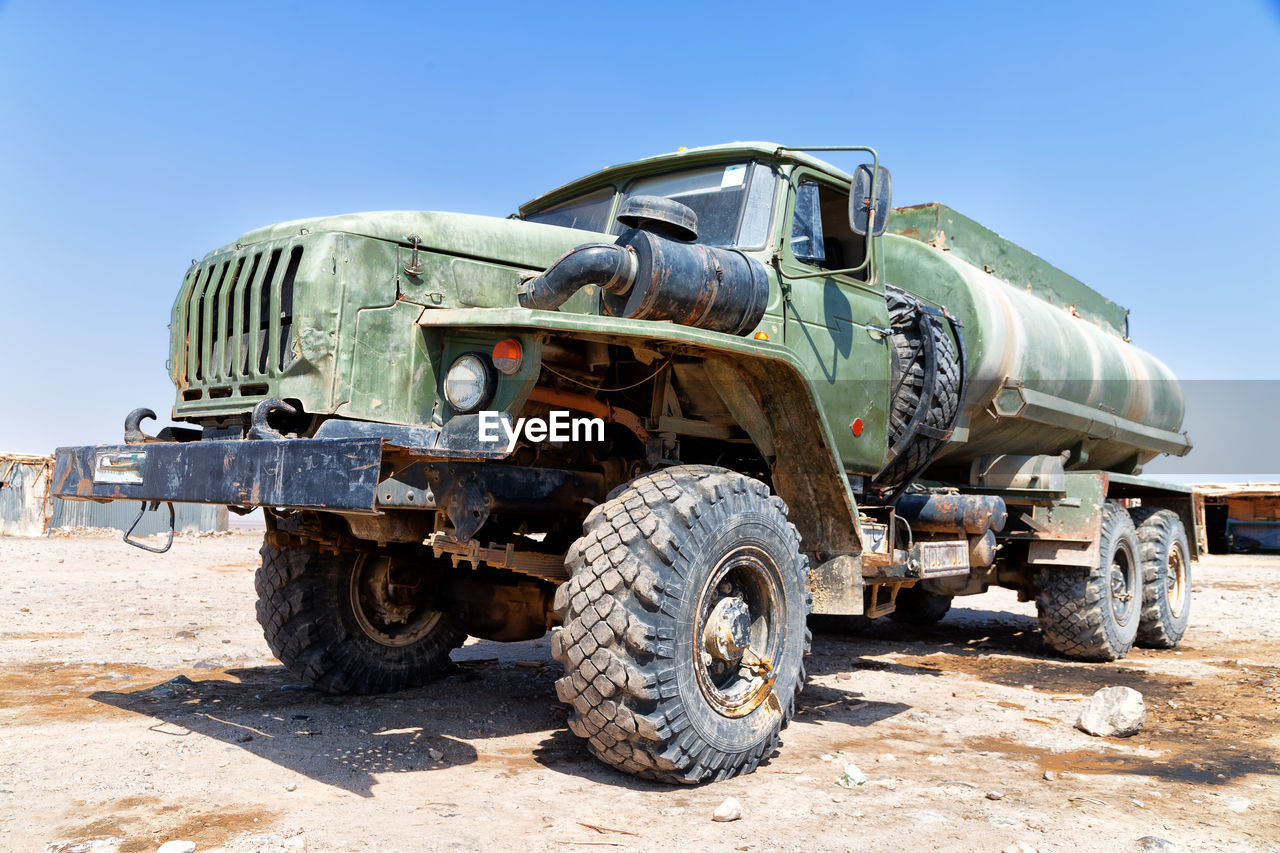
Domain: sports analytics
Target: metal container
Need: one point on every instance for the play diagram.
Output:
(1045, 375)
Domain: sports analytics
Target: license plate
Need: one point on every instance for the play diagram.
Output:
(119, 467)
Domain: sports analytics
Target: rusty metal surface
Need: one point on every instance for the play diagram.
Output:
(590, 405)
(941, 558)
(836, 586)
(329, 474)
(545, 566)
(953, 513)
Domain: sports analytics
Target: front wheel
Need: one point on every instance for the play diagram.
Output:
(684, 625)
(351, 622)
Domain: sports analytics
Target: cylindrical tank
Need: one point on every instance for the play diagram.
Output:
(1042, 380)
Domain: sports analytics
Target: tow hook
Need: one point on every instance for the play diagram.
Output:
(260, 428)
(133, 433)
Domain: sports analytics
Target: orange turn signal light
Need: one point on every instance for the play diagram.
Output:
(507, 355)
(761, 336)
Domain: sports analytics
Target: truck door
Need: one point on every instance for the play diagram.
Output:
(834, 322)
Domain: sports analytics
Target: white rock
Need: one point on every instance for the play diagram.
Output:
(729, 810)
(177, 847)
(1155, 844)
(1237, 804)
(1019, 847)
(1113, 712)
(851, 777)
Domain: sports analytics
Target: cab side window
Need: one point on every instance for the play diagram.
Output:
(820, 232)
(806, 224)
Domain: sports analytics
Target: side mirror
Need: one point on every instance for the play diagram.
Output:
(860, 200)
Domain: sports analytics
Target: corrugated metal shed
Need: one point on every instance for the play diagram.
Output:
(24, 494)
(118, 515)
(27, 510)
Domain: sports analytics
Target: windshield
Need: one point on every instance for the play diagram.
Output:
(733, 202)
(589, 212)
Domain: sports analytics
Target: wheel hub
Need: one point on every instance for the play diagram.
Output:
(389, 613)
(728, 631)
(1120, 593)
(739, 632)
(1176, 580)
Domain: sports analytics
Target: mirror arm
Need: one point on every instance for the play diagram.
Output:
(871, 211)
(826, 273)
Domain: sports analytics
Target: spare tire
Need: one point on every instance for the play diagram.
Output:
(926, 373)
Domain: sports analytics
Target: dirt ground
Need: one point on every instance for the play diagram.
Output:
(138, 703)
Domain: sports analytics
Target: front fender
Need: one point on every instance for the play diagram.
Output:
(761, 383)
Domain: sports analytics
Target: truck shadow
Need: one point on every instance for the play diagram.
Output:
(564, 752)
(347, 741)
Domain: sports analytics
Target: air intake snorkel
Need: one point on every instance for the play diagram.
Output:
(655, 272)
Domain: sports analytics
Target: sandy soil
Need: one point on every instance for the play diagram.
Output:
(138, 702)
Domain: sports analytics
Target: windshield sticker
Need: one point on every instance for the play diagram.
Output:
(734, 176)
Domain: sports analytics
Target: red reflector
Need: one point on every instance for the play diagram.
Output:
(856, 426)
(507, 355)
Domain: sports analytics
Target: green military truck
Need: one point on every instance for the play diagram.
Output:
(667, 411)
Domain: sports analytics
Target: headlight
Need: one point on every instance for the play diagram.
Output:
(469, 383)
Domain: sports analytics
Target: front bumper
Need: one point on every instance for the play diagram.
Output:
(334, 474)
(356, 473)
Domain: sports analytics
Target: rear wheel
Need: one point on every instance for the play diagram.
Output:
(1166, 577)
(351, 622)
(684, 625)
(1093, 613)
(918, 606)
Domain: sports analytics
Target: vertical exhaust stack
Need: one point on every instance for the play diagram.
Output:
(655, 272)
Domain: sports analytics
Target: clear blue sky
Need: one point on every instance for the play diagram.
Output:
(1136, 145)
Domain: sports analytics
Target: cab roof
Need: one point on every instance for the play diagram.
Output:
(771, 151)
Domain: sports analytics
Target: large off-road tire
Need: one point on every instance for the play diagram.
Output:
(1166, 577)
(917, 606)
(684, 625)
(918, 340)
(337, 624)
(1093, 613)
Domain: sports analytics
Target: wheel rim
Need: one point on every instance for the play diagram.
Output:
(1176, 583)
(387, 612)
(1123, 582)
(739, 631)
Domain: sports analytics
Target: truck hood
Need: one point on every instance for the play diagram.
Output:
(505, 241)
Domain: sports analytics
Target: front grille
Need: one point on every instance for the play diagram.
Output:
(238, 318)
